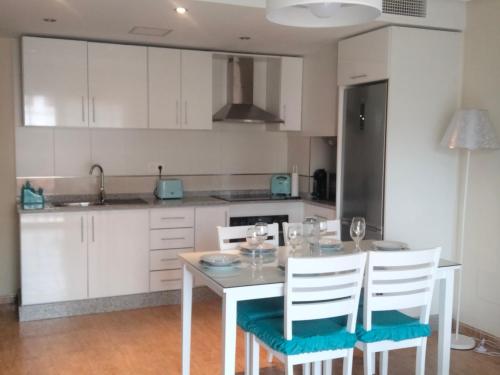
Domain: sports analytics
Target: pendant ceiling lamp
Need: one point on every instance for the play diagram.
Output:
(315, 13)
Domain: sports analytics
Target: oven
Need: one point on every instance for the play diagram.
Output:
(236, 221)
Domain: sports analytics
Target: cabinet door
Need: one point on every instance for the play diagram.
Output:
(164, 68)
(54, 82)
(207, 220)
(118, 253)
(196, 89)
(291, 93)
(53, 257)
(117, 86)
(313, 210)
(364, 58)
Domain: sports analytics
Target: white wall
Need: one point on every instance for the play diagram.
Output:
(481, 275)
(421, 176)
(71, 152)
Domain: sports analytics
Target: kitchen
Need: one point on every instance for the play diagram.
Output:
(170, 119)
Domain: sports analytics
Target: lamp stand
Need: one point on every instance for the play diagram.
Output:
(458, 341)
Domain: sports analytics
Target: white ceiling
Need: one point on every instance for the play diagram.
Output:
(207, 25)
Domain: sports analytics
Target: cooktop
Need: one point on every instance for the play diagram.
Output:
(248, 197)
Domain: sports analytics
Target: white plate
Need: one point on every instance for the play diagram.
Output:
(390, 245)
(266, 248)
(220, 260)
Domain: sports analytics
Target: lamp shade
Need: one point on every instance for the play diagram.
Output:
(326, 13)
(470, 129)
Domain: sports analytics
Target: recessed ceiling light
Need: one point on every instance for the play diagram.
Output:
(149, 31)
(49, 20)
(181, 10)
(245, 37)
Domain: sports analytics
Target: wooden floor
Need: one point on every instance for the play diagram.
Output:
(148, 341)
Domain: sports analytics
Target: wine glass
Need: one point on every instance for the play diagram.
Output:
(261, 230)
(253, 242)
(294, 236)
(358, 227)
(323, 225)
(311, 231)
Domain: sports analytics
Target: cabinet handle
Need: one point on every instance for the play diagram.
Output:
(185, 112)
(177, 112)
(93, 231)
(93, 109)
(173, 218)
(165, 280)
(173, 238)
(81, 228)
(83, 110)
(166, 259)
(226, 221)
(284, 114)
(358, 76)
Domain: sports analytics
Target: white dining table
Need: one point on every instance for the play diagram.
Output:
(245, 282)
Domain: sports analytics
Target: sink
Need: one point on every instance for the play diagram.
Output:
(107, 202)
(117, 201)
(75, 204)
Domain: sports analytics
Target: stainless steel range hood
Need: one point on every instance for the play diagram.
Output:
(240, 107)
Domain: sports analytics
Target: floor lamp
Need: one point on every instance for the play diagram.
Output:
(469, 129)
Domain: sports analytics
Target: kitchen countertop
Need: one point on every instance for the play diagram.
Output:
(190, 200)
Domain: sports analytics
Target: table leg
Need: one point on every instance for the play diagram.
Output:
(229, 305)
(187, 303)
(445, 316)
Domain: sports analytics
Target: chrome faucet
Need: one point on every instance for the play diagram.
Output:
(102, 195)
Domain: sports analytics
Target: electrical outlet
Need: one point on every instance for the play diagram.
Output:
(153, 167)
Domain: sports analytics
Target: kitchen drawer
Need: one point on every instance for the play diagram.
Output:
(164, 218)
(165, 280)
(165, 259)
(171, 238)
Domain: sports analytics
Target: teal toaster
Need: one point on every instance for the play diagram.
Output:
(169, 189)
(281, 185)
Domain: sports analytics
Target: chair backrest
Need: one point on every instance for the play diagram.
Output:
(231, 238)
(323, 287)
(332, 229)
(399, 280)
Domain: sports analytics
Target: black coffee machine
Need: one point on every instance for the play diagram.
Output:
(320, 185)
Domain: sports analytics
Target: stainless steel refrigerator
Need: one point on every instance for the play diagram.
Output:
(365, 115)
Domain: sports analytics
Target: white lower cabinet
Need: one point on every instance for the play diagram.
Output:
(118, 252)
(53, 257)
(206, 221)
(314, 210)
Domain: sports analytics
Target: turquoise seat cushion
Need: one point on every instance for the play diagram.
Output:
(308, 336)
(391, 325)
(256, 309)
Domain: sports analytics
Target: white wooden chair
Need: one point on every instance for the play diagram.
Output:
(326, 288)
(332, 229)
(238, 234)
(396, 280)
(227, 241)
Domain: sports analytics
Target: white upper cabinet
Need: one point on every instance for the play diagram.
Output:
(196, 92)
(118, 252)
(364, 58)
(117, 86)
(54, 82)
(53, 257)
(164, 67)
(291, 93)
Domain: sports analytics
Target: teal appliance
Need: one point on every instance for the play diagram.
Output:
(281, 184)
(168, 188)
(30, 198)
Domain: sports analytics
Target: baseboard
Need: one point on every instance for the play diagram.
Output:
(108, 304)
(8, 300)
(477, 333)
